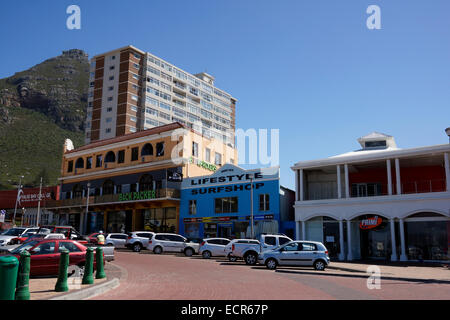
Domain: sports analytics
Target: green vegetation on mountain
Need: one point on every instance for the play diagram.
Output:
(39, 109)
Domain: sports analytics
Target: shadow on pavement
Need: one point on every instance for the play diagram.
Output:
(324, 273)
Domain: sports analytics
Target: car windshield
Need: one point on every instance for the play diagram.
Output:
(28, 234)
(43, 231)
(25, 246)
(13, 232)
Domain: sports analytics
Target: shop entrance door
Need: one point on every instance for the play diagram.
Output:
(376, 243)
(224, 231)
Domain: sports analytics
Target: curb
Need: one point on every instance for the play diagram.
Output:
(95, 290)
(90, 292)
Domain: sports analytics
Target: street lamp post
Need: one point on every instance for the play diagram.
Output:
(251, 203)
(39, 205)
(87, 207)
(18, 195)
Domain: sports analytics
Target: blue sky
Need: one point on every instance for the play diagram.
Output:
(309, 68)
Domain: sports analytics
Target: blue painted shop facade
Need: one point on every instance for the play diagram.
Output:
(219, 205)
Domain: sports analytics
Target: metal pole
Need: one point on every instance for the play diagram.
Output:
(15, 208)
(39, 205)
(87, 208)
(251, 202)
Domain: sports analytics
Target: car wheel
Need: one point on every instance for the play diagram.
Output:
(319, 265)
(271, 264)
(76, 271)
(157, 250)
(250, 258)
(188, 252)
(109, 244)
(206, 254)
(231, 258)
(137, 247)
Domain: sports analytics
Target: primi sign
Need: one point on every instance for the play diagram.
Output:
(370, 223)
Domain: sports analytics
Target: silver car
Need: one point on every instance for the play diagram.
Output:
(117, 240)
(213, 247)
(296, 253)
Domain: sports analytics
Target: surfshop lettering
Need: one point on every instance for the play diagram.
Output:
(142, 195)
(237, 187)
(230, 178)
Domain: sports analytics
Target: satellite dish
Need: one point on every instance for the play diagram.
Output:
(68, 145)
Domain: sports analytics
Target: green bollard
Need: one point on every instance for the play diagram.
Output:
(61, 283)
(100, 274)
(88, 277)
(9, 267)
(23, 281)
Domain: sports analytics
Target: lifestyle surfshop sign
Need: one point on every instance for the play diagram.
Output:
(228, 178)
(233, 188)
(142, 195)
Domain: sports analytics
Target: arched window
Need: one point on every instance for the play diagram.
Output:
(77, 191)
(147, 150)
(79, 164)
(110, 157)
(146, 182)
(108, 187)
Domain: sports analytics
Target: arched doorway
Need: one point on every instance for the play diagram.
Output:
(427, 236)
(324, 229)
(374, 236)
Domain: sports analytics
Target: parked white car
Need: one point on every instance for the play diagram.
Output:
(213, 247)
(167, 242)
(138, 240)
(118, 240)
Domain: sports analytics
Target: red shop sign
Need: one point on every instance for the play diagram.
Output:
(370, 223)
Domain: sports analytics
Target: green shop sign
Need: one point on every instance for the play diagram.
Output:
(203, 164)
(142, 195)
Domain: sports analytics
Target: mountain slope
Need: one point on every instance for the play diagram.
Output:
(39, 109)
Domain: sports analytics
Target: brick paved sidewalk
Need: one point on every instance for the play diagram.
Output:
(437, 272)
(44, 288)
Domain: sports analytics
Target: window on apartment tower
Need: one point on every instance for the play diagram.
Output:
(218, 159)
(207, 155)
(194, 149)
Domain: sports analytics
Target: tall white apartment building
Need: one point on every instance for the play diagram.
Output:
(131, 90)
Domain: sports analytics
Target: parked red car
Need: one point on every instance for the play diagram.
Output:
(92, 238)
(45, 255)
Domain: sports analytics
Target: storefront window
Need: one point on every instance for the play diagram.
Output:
(240, 229)
(192, 230)
(116, 221)
(160, 219)
(376, 242)
(427, 240)
(210, 230)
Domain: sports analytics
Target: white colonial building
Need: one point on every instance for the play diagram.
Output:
(379, 202)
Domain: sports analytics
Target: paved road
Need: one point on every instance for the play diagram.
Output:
(168, 276)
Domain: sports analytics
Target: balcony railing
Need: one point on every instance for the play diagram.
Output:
(358, 190)
(114, 198)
